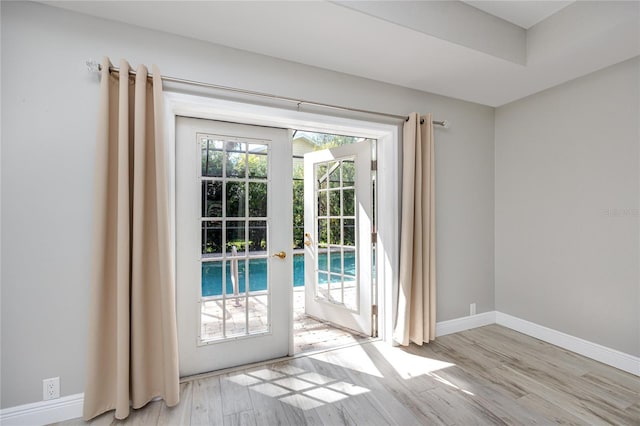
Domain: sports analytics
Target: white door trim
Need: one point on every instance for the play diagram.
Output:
(179, 104)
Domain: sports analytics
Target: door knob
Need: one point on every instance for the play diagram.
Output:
(307, 241)
(280, 254)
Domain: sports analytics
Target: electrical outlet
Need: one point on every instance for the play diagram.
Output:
(472, 309)
(51, 388)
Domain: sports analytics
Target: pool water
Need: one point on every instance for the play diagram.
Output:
(257, 276)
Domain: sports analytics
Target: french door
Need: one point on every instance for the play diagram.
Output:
(233, 243)
(338, 224)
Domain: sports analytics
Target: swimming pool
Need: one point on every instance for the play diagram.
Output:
(257, 276)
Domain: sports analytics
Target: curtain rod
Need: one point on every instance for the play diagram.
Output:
(96, 67)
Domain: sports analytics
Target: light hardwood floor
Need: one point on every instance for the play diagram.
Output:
(489, 375)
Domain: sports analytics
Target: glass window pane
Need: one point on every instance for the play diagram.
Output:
(258, 275)
(236, 278)
(298, 214)
(258, 161)
(236, 319)
(323, 263)
(348, 173)
(211, 199)
(211, 279)
(236, 159)
(211, 157)
(321, 175)
(350, 285)
(335, 291)
(349, 258)
(350, 293)
(322, 203)
(335, 234)
(258, 236)
(349, 229)
(323, 234)
(211, 238)
(334, 175)
(258, 199)
(236, 199)
(336, 261)
(236, 242)
(322, 289)
(348, 202)
(211, 320)
(334, 203)
(258, 314)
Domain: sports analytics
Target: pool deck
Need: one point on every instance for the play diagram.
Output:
(309, 334)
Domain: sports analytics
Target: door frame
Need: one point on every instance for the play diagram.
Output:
(388, 182)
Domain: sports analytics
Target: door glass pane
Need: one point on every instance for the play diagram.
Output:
(334, 175)
(211, 157)
(211, 238)
(258, 236)
(334, 203)
(211, 279)
(258, 314)
(234, 188)
(211, 199)
(258, 199)
(335, 231)
(236, 159)
(258, 275)
(211, 320)
(336, 249)
(258, 161)
(235, 277)
(348, 202)
(235, 316)
(348, 173)
(322, 203)
(349, 232)
(323, 232)
(321, 175)
(236, 242)
(236, 199)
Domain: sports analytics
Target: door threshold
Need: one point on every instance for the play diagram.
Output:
(237, 368)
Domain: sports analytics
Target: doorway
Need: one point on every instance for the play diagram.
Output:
(333, 220)
(384, 256)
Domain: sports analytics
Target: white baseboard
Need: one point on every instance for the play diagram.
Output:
(465, 323)
(612, 357)
(44, 412)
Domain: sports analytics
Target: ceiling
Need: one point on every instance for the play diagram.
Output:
(524, 13)
(490, 52)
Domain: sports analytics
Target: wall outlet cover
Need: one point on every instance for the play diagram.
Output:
(51, 388)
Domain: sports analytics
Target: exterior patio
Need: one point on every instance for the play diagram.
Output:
(309, 334)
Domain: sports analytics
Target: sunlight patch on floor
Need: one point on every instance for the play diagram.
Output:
(296, 386)
(409, 365)
(353, 357)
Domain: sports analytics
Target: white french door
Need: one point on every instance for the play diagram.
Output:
(338, 224)
(233, 243)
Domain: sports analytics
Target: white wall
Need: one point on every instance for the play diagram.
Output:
(49, 112)
(567, 199)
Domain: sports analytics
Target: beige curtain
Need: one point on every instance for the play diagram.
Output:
(132, 352)
(416, 319)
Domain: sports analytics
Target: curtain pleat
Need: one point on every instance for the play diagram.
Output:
(416, 313)
(132, 354)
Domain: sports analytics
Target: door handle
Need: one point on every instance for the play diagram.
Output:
(280, 254)
(307, 241)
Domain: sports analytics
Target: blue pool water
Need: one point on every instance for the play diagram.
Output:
(257, 274)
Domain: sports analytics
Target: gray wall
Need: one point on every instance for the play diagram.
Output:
(567, 198)
(49, 112)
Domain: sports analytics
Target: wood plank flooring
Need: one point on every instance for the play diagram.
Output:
(485, 376)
